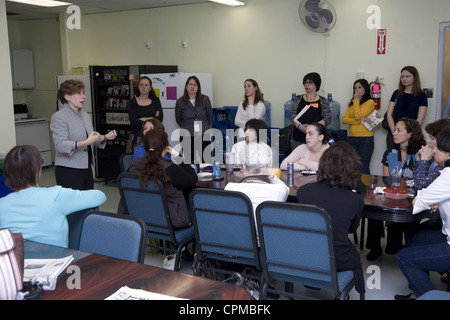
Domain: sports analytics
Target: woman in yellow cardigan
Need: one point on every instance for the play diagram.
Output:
(359, 137)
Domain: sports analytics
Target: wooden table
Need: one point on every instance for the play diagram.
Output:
(376, 206)
(399, 210)
(101, 276)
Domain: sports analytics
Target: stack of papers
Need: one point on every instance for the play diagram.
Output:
(45, 272)
(126, 293)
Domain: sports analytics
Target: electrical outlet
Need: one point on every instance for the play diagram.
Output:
(428, 92)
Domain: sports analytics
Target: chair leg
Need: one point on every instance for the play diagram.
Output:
(289, 287)
(263, 290)
(448, 280)
(362, 229)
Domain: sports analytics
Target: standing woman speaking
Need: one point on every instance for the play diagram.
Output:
(146, 105)
(73, 136)
(193, 112)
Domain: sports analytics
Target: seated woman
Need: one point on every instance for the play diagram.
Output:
(426, 169)
(408, 139)
(307, 156)
(258, 183)
(255, 129)
(429, 250)
(177, 179)
(338, 175)
(148, 125)
(39, 213)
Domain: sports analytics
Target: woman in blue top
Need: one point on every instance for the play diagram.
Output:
(39, 213)
(408, 101)
(408, 140)
(148, 125)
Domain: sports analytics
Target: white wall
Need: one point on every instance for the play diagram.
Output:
(266, 40)
(7, 131)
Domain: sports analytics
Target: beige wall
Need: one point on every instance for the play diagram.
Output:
(264, 40)
(7, 132)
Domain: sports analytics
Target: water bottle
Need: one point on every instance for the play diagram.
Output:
(287, 110)
(335, 107)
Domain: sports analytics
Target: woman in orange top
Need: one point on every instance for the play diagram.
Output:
(359, 137)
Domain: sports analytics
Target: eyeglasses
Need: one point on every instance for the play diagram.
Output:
(308, 82)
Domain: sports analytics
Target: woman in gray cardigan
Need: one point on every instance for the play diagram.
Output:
(73, 136)
(193, 112)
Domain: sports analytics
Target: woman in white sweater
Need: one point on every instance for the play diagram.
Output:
(252, 107)
(429, 250)
(307, 156)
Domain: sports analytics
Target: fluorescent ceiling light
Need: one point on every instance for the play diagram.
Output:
(43, 3)
(232, 3)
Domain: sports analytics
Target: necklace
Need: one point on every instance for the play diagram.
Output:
(310, 99)
(143, 100)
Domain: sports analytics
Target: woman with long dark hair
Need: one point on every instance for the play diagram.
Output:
(193, 112)
(252, 107)
(359, 137)
(178, 180)
(144, 106)
(408, 101)
(307, 156)
(401, 161)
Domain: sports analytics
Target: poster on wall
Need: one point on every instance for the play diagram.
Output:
(381, 41)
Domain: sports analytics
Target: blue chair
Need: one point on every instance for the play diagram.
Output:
(114, 235)
(75, 221)
(125, 160)
(225, 231)
(150, 204)
(297, 247)
(435, 295)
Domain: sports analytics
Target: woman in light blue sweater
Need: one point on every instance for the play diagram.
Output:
(39, 213)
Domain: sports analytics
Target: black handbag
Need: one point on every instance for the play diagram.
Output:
(384, 123)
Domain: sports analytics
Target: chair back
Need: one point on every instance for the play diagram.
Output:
(115, 235)
(125, 160)
(148, 203)
(296, 243)
(75, 221)
(224, 226)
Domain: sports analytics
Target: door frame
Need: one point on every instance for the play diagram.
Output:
(440, 70)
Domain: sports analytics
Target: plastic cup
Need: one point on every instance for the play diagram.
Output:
(229, 159)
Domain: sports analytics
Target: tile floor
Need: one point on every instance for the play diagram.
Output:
(383, 275)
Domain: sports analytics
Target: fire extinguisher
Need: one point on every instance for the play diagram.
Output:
(375, 92)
